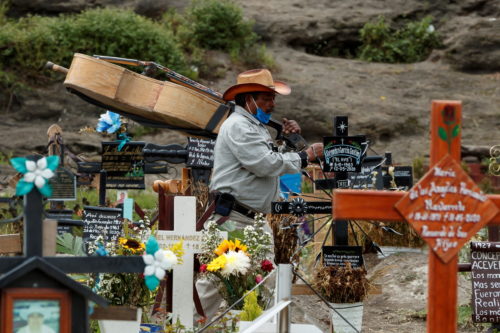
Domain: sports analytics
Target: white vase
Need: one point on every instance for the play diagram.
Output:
(121, 326)
(352, 312)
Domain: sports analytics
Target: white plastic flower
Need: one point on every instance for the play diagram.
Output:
(161, 261)
(236, 263)
(38, 172)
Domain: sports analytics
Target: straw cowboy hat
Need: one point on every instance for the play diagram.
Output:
(35, 308)
(256, 80)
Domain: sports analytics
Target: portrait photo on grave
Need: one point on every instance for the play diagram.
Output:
(40, 310)
(36, 316)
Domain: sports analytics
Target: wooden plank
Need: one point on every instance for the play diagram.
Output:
(114, 313)
(49, 237)
(378, 205)
(366, 205)
(445, 115)
(442, 284)
(118, 264)
(442, 295)
(10, 243)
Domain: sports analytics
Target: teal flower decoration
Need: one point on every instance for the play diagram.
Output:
(156, 261)
(123, 138)
(109, 122)
(35, 174)
(152, 246)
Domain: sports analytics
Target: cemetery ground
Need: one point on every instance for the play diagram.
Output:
(401, 305)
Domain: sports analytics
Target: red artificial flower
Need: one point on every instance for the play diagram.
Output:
(266, 265)
(258, 278)
(203, 268)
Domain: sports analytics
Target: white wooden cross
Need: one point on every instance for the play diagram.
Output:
(185, 229)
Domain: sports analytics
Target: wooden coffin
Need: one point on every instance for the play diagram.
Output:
(157, 101)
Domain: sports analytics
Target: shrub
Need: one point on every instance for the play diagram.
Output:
(27, 44)
(381, 43)
(218, 25)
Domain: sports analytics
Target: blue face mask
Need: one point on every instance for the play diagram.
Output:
(261, 115)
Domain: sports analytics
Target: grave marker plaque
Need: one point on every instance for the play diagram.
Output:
(338, 255)
(369, 177)
(124, 168)
(200, 153)
(403, 177)
(485, 258)
(63, 185)
(101, 221)
(344, 154)
(446, 208)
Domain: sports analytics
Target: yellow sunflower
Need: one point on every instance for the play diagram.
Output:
(226, 246)
(131, 244)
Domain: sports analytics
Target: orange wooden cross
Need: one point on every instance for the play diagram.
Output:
(446, 208)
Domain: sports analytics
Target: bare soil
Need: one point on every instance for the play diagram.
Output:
(400, 306)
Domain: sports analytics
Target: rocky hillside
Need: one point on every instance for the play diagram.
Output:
(388, 102)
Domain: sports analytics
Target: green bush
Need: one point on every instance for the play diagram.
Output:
(412, 43)
(27, 44)
(218, 25)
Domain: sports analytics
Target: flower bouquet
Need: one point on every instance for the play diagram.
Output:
(134, 289)
(237, 265)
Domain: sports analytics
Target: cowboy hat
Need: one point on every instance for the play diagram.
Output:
(256, 80)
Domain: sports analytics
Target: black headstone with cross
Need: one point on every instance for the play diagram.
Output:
(35, 272)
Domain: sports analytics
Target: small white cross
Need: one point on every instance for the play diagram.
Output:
(184, 228)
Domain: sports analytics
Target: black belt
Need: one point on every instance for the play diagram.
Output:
(244, 210)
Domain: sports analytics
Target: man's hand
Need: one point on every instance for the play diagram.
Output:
(290, 126)
(315, 152)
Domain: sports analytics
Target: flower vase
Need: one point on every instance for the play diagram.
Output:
(121, 326)
(352, 313)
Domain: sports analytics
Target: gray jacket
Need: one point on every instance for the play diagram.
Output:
(245, 164)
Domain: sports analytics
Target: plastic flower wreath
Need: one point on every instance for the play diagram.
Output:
(237, 265)
(109, 122)
(35, 174)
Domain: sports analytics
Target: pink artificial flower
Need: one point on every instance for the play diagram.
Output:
(203, 268)
(258, 278)
(266, 265)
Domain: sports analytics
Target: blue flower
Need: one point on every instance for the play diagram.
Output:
(35, 174)
(109, 122)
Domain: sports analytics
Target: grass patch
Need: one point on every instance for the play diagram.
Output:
(28, 43)
(411, 43)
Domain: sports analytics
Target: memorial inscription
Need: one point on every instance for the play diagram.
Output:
(63, 185)
(338, 255)
(102, 221)
(485, 257)
(446, 208)
(344, 154)
(200, 153)
(125, 167)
